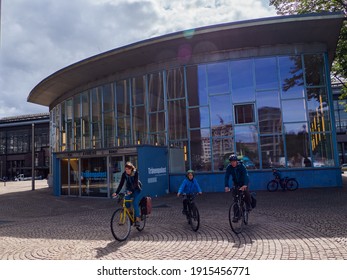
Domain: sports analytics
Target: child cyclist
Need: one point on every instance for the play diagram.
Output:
(189, 186)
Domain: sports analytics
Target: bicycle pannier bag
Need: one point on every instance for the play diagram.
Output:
(146, 205)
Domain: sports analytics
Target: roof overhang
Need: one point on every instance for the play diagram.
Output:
(298, 29)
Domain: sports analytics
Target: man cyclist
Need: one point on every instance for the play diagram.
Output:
(240, 179)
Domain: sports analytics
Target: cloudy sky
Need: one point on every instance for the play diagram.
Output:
(39, 37)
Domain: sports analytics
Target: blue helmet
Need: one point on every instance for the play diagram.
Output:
(233, 157)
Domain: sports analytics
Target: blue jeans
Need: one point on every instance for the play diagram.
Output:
(136, 200)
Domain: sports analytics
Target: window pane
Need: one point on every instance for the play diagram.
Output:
(244, 113)
(218, 78)
(123, 132)
(157, 122)
(200, 150)
(122, 99)
(193, 86)
(246, 138)
(77, 122)
(314, 70)
(85, 121)
(266, 76)
(109, 125)
(322, 150)
(220, 107)
(139, 125)
(297, 143)
(155, 92)
(96, 118)
(292, 82)
(177, 119)
(318, 109)
(242, 89)
(199, 117)
(138, 90)
(175, 83)
(269, 112)
(108, 98)
(223, 147)
(272, 151)
(294, 110)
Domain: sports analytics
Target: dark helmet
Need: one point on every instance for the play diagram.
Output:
(233, 157)
(190, 171)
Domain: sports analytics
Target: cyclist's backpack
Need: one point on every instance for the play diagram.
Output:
(146, 205)
(253, 200)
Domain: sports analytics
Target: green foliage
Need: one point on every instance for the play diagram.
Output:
(292, 7)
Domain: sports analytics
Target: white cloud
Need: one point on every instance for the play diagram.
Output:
(39, 37)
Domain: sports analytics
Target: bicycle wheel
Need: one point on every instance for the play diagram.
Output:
(235, 211)
(272, 186)
(142, 223)
(194, 217)
(120, 225)
(292, 184)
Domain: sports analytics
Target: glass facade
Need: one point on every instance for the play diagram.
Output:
(271, 111)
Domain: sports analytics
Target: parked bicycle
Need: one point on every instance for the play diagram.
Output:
(123, 218)
(286, 183)
(238, 216)
(192, 214)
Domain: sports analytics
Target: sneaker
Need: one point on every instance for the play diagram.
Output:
(184, 212)
(137, 224)
(235, 220)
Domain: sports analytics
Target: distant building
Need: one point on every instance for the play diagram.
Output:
(16, 146)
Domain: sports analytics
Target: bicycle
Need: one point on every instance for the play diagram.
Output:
(123, 218)
(238, 216)
(286, 183)
(192, 213)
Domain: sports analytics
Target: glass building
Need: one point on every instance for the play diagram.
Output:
(258, 88)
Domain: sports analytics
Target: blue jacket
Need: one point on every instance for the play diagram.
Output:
(189, 186)
(238, 173)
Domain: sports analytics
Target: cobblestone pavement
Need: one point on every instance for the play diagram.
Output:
(306, 224)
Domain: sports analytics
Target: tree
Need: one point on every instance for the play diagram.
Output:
(291, 7)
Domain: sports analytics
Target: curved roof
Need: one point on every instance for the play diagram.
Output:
(321, 28)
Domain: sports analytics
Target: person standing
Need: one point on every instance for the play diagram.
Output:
(133, 188)
(240, 179)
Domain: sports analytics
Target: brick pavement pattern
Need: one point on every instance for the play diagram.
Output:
(308, 224)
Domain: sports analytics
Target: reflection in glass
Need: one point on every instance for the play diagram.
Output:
(175, 83)
(218, 77)
(94, 177)
(123, 132)
(318, 109)
(297, 143)
(122, 99)
(314, 70)
(85, 121)
(69, 127)
(291, 76)
(138, 90)
(269, 112)
(157, 122)
(64, 178)
(272, 152)
(220, 107)
(155, 92)
(266, 75)
(139, 125)
(322, 149)
(222, 147)
(74, 177)
(199, 117)
(294, 110)
(177, 119)
(77, 122)
(96, 118)
(200, 150)
(242, 89)
(246, 138)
